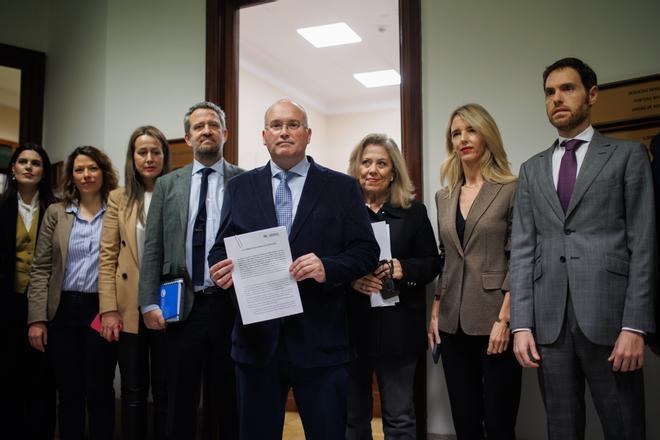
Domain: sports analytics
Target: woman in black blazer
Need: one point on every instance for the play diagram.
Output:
(29, 390)
(389, 340)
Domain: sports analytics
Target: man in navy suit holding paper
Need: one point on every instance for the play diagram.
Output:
(332, 243)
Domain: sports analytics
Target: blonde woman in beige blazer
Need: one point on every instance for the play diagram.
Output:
(147, 158)
(470, 314)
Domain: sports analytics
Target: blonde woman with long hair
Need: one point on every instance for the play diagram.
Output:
(470, 315)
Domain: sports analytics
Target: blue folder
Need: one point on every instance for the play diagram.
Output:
(171, 294)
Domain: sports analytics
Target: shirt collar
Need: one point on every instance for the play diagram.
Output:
(32, 205)
(218, 167)
(585, 136)
(300, 169)
(75, 209)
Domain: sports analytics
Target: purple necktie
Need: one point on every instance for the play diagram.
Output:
(567, 172)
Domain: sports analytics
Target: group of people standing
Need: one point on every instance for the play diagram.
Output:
(563, 258)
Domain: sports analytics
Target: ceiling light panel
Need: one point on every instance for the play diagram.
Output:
(379, 78)
(328, 35)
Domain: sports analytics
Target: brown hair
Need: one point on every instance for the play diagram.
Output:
(102, 160)
(133, 180)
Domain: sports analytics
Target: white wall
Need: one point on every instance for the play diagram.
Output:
(333, 136)
(74, 107)
(494, 53)
(254, 97)
(25, 24)
(347, 129)
(155, 68)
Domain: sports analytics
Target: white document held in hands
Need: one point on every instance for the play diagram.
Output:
(264, 287)
(382, 234)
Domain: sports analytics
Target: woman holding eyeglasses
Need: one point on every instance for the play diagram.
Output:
(389, 339)
(122, 243)
(29, 391)
(63, 298)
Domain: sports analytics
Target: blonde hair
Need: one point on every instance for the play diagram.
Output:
(401, 190)
(494, 163)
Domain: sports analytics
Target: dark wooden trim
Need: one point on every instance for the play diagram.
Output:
(222, 62)
(33, 72)
(222, 66)
(410, 25)
(410, 59)
(627, 82)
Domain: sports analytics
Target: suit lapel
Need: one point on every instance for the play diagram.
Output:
(263, 189)
(314, 185)
(182, 191)
(597, 155)
(481, 203)
(547, 181)
(131, 230)
(65, 235)
(450, 218)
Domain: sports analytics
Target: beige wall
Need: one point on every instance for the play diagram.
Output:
(333, 136)
(9, 118)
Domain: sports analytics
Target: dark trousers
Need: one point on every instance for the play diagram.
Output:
(84, 366)
(320, 395)
(618, 397)
(484, 390)
(395, 375)
(142, 357)
(28, 396)
(200, 347)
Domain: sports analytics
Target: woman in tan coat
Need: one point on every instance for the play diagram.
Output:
(470, 314)
(122, 241)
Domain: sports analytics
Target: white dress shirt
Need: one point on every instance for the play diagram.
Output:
(557, 155)
(214, 198)
(296, 181)
(27, 211)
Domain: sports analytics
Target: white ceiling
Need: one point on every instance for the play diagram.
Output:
(271, 49)
(10, 86)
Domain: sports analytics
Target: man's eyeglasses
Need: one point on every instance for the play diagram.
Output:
(278, 126)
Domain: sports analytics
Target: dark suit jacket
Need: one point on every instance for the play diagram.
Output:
(330, 222)
(477, 272)
(164, 255)
(399, 329)
(602, 249)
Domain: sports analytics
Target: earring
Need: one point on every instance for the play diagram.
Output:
(13, 177)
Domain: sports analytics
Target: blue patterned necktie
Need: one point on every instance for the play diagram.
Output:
(199, 231)
(284, 201)
(567, 171)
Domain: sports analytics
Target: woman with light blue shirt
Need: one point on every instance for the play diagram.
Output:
(63, 298)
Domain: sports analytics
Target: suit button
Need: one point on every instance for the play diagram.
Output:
(123, 243)
(124, 276)
(568, 231)
(562, 259)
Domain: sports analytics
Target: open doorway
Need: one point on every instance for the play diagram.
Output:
(222, 85)
(277, 61)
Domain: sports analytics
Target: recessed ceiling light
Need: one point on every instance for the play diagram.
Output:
(329, 35)
(379, 78)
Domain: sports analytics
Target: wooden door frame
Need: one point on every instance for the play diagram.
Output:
(32, 65)
(222, 67)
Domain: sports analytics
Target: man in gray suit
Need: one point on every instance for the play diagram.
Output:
(183, 219)
(583, 264)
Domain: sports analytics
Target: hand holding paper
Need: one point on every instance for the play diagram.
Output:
(261, 269)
